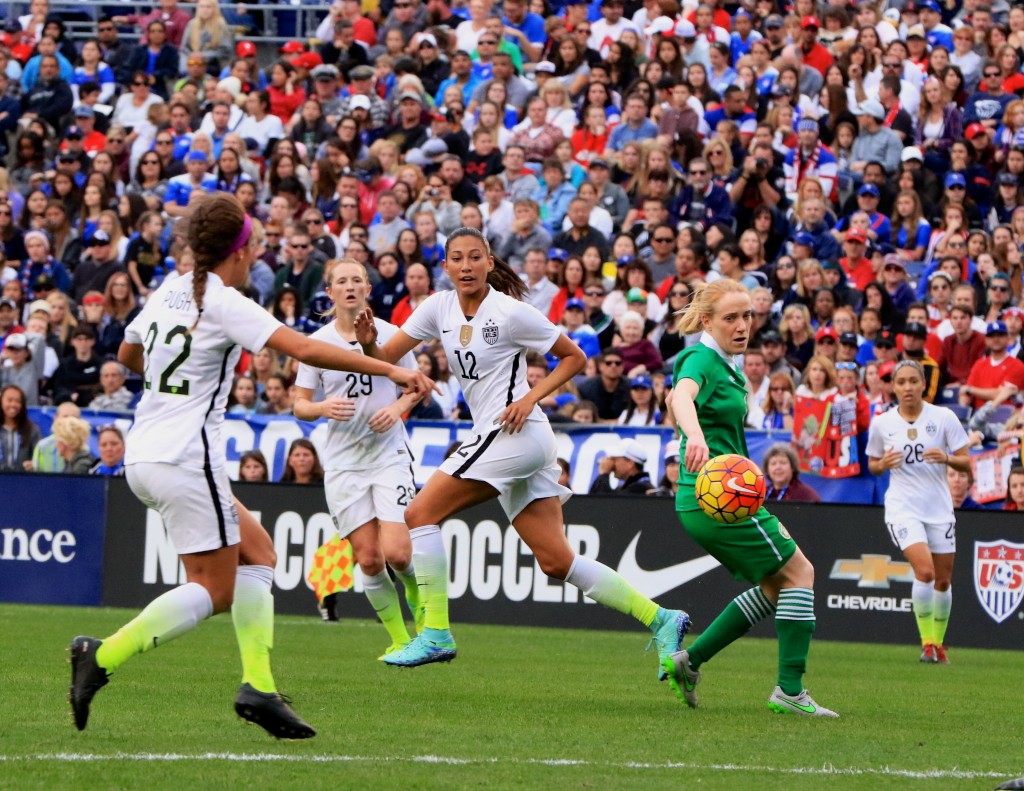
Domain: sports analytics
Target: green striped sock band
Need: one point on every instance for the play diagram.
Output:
(755, 605)
(795, 604)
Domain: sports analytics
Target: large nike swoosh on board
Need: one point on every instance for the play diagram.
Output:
(654, 583)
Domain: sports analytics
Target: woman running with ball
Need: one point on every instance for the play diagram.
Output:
(916, 442)
(369, 477)
(185, 343)
(486, 332)
(709, 404)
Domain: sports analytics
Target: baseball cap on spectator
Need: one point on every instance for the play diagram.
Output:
(942, 275)
(893, 15)
(360, 73)
(955, 180)
(885, 369)
(1013, 310)
(871, 107)
(911, 153)
(577, 2)
(915, 31)
(558, 254)
(99, 238)
(973, 130)
(86, 330)
(307, 61)
(810, 22)
(672, 452)
(84, 111)
(622, 260)
(600, 162)
(826, 332)
(629, 449)
(641, 381)
(232, 85)
(427, 39)
(869, 189)
(635, 295)
(410, 96)
(894, 259)
(995, 328)
(545, 67)
(856, 235)
(848, 339)
(73, 133)
(771, 336)
(7, 302)
(40, 306)
(245, 49)
(685, 29)
(1008, 179)
(916, 329)
(804, 238)
(16, 340)
(998, 276)
(781, 90)
(292, 48)
(831, 266)
(44, 283)
(404, 65)
(807, 125)
(575, 303)
(773, 21)
(885, 340)
(931, 5)
(66, 157)
(661, 24)
(325, 73)
(359, 102)
(196, 156)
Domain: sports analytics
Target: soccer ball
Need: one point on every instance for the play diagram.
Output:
(730, 488)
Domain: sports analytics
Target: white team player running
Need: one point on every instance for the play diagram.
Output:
(486, 332)
(916, 442)
(185, 343)
(369, 479)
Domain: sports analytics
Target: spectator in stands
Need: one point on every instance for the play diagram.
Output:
(78, 376)
(252, 466)
(819, 380)
(574, 319)
(608, 389)
(276, 397)
(18, 434)
(669, 483)
(702, 202)
(111, 446)
(1015, 489)
(72, 435)
(174, 18)
(542, 291)
(209, 35)
(302, 464)
(627, 465)
(93, 273)
(960, 484)
(417, 288)
(115, 397)
(643, 408)
(243, 399)
(302, 272)
(18, 369)
(639, 355)
(989, 374)
(782, 470)
(914, 337)
(519, 181)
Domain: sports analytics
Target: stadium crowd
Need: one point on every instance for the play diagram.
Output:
(859, 167)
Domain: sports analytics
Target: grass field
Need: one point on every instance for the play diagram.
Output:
(520, 708)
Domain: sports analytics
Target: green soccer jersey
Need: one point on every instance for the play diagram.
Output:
(721, 409)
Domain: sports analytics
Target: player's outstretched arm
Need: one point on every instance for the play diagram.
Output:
(571, 360)
(685, 411)
(324, 355)
(401, 343)
(305, 408)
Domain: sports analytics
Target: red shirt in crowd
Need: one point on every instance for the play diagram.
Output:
(958, 358)
(985, 374)
(284, 105)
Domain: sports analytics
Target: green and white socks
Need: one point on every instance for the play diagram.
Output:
(794, 624)
(739, 616)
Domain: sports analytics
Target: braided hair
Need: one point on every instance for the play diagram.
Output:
(503, 278)
(211, 231)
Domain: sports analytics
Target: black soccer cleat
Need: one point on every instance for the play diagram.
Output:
(328, 608)
(271, 711)
(87, 677)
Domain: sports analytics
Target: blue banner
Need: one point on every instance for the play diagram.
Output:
(51, 543)
(582, 445)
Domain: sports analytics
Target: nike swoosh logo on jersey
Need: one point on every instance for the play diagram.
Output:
(444, 331)
(659, 581)
(732, 484)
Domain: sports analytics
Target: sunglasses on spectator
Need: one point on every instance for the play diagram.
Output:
(826, 340)
(698, 172)
(164, 142)
(272, 233)
(679, 293)
(139, 83)
(786, 266)
(890, 65)
(151, 162)
(115, 139)
(956, 187)
(489, 41)
(612, 362)
(992, 74)
(594, 293)
(581, 30)
(999, 288)
(359, 236)
(104, 28)
(403, 5)
(313, 220)
(5, 214)
(663, 239)
(299, 246)
(846, 366)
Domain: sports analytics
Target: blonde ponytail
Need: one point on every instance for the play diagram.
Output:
(703, 303)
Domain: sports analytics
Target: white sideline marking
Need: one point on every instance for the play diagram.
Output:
(826, 769)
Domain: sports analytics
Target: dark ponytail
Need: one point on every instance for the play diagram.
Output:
(211, 231)
(503, 278)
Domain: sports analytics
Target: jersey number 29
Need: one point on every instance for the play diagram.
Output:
(165, 385)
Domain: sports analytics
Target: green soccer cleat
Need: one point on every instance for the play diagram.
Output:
(682, 677)
(929, 655)
(421, 651)
(393, 648)
(87, 677)
(781, 703)
(669, 627)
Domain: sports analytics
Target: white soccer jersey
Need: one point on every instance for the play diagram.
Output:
(188, 373)
(486, 352)
(917, 489)
(352, 444)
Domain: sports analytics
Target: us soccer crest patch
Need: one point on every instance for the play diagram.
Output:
(490, 334)
(999, 577)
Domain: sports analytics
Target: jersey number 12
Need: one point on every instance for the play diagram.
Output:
(471, 360)
(165, 385)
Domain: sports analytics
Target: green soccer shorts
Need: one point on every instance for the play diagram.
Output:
(751, 550)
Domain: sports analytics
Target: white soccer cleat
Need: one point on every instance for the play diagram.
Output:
(781, 703)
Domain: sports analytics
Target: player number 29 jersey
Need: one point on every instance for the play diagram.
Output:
(189, 372)
(917, 489)
(352, 444)
(486, 352)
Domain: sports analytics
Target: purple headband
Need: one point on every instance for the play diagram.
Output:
(243, 237)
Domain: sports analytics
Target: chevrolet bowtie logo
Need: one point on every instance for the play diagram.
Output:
(872, 571)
